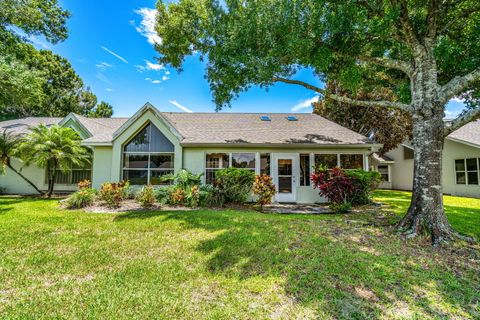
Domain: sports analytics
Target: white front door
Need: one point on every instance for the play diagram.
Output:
(285, 172)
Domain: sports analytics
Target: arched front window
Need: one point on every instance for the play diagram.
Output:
(147, 157)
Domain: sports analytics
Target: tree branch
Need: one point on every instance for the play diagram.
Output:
(362, 103)
(406, 26)
(458, 84)
(462, 120)
(432, 20)
(404, 66)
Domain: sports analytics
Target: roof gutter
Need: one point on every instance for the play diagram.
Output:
(281, 145)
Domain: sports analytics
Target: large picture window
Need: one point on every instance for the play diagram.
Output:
(243, 160)
(467, 171)
(213, 163)
(328, 160)
(148, 157)
(73, 175)
(351, 161)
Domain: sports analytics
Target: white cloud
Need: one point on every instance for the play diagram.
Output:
(147, 25)
(114, 54)
(304, 104)
(165, 78)
(178, 105)
(150, 66)
(102, 77)
(103, 66)
(39, 42)
(109, 89)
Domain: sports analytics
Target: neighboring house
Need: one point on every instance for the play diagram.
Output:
(151, 144)
(461, 163)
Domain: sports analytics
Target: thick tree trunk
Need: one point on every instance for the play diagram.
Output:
(426, 213)
(9, 165)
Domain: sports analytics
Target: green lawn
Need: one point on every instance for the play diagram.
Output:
(463, 213)
(226, 264)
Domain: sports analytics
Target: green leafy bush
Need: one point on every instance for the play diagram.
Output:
(80, 199)
(113, 193)
(264, 189)
(210, 196)
(163, 194)
(365, 182)
(234, 184)
(146, 197)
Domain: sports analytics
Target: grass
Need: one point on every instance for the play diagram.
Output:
(463, 213)
(209, 264)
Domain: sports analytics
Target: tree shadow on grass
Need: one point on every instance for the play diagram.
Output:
(339, 269)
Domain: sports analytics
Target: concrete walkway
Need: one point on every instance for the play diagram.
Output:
(297, 208)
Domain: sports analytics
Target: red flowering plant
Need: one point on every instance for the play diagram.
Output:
(335, 185)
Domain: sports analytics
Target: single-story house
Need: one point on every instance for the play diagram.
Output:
(461, 163)
(152, 143)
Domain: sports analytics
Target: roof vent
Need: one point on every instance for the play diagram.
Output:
(292, 118)
(265, 118)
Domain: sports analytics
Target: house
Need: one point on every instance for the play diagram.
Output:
(151, 143)
(461, 167)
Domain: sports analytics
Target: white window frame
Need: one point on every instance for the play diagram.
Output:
(364, 158)
(466, 171)
(149, 168)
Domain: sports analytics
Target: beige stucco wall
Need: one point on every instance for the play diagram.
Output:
(102, 163)
(402, 170)
(456, 150)
(14, 184)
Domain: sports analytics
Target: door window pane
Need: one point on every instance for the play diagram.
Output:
(304, 169)
(351, 161)
(328, 160)
(285, 184)
(284, 167)
(243, 160)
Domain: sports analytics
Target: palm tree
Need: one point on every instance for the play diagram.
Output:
(54, 148)
(8, 147)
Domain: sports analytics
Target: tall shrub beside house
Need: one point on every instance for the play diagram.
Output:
(54, 148)
(264, 189)
(344, 188)
(234, 184)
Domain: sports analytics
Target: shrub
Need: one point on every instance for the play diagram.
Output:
(3, 190)
(345, 188)
(192, 196)
(113, 193)
(210, 196)
(177, 196)
(146, 197)
(264, 189)
(128, 191)
(163, 195)
(81, 198)
(84, 184)
(334, 185)
(365, 182)
(234, 184)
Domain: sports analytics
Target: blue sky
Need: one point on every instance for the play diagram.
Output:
(111, 48)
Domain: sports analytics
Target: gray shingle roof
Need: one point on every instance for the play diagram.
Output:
(21, 126)
(102, 129)
(248, 128)
(469, 133)
(222, 128)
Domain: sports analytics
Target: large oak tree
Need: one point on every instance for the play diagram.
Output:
(431, 48)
